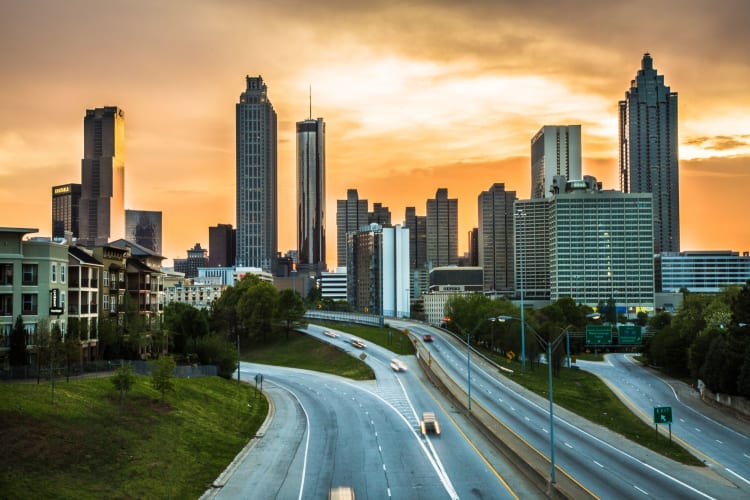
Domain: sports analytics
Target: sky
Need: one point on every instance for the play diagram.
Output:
(415, 95)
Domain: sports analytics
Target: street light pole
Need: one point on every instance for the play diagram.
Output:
(521, 213)
(468, 353)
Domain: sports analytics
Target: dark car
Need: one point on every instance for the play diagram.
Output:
(427, 337)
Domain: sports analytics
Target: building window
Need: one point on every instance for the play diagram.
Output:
(53, 274)
(6, 274)
(105, 302)
(105, 278)
(29, 303)
(30, 274)
(62, 273)
(6, 304)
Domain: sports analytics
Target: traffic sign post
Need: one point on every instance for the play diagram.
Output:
(629, 335)
(663, 415)
(599, 334)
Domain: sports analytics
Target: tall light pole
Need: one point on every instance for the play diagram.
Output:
(566, 331)
(519, 215)
(549, 346)
(468, 352)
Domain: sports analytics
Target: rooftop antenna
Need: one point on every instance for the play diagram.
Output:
(310, 97)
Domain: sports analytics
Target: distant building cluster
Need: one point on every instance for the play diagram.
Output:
(570, 238)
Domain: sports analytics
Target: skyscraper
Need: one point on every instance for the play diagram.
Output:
(311, 195)
(102, 205)
(555, 150)
(351, 215)
(221, 245)
(495, 238)
(65, 209)
(380, 215)
(144, 227)
(648, 151)
(442, 229)
(256, 198)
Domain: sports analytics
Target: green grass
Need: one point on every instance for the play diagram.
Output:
(304, 351)
(89, 445)
(398, 342)
(585, 394)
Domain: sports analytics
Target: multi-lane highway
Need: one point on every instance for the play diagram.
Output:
(606, 464)
(724, 447)
(328, 431)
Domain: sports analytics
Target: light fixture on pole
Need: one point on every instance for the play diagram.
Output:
(448, 319)
(519, 215)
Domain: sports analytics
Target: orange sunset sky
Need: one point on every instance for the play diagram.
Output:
(415, 95)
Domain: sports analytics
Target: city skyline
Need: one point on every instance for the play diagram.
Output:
(416, 97)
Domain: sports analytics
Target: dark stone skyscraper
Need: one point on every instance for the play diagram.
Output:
(495, 238)
(442, 229)
(311, 195)
(102, 206)
(648, 151)
(351, 215)
(65, 203)
(257, 219)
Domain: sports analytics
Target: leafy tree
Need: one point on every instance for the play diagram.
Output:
(290, 310)
(743, 381)
(123, 379)
(162, 376)
(72, 346)
(18, 343)
(213, 349)
(699, 351)
(740, 305)
(109, 340)
(255, 308)
(712, 372)
(186, 323)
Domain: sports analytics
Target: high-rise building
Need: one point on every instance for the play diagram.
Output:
(531, 240)
(311, 195)
(221, 245)
(256, 184)
(495, 238)
(65, 202)
(442, 229)
(351, 215)
(379, 215)
(555, 150)
(648, 151)
(102, 205)
(419, 273)
(378, 271)
(144, 228)
(601, 248)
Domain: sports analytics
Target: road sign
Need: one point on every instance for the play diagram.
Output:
(629, 335)
(598, 334)
(662, 415)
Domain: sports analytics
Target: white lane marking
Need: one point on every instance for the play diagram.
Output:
(597, 463)
(389, 492)
(697, 430)
(720, 442)
(545, 430)
(568, 445)
(527, 419)
(640, 489)
(736, 475)
(746, 455)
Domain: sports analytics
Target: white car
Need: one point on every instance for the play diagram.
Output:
(329, 333)
(398, 366)
(358, 344)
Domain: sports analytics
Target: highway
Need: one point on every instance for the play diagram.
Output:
(606, 464)
(329, 431)
(725, 447)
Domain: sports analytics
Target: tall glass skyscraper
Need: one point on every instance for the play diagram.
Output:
(311, 195)
(102, 206)
(65, 209)
(555, 150)
(256, 197)
(648, 151)
(351, 215)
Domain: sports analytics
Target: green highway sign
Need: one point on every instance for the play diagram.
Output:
(662, 414)
(598, 334)
(629, 335)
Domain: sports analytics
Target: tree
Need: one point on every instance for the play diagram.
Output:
(123, 380)
(740, 305)
(743, 381)
(213, 349)
(256, 306)
(290, 310)
(161, 377)
(18, 343)
(185, 323)
(72, 346)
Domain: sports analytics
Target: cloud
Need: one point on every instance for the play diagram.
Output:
(720, 142)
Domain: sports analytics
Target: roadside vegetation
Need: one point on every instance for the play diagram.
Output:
(98, 442)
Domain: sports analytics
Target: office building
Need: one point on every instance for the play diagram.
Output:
(446, 283)
(601, 247)
(531, 256)
(703, 271)
(649, 151)
(442, 229)
(495, 238)
(102, 204)
(256, 182)
(311, 196)
(221, 245)
(333, 285)
(555, 150)
(378, 271)
(65, 202)
(351, 215)
(380, 215)
(417, 226)
(144, 228)
(84, 273)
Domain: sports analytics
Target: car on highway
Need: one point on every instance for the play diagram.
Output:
(427, 337)
(429, 423)
(358, 344)
(329, 333)
(398, 366)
